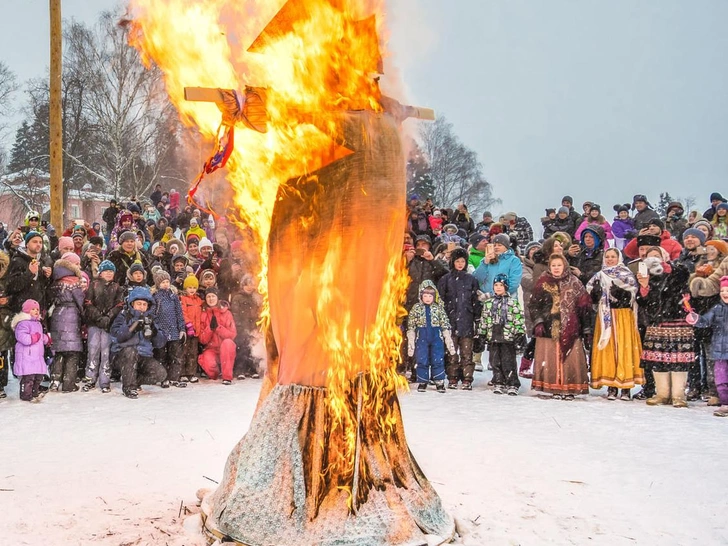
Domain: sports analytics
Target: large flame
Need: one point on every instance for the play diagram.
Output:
(314, 57)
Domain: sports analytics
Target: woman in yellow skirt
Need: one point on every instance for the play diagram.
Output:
(616, 352)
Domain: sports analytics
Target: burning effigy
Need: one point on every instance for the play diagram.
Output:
(313, 153)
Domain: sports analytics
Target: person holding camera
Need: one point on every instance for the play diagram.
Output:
(217, 335)
(134, 337)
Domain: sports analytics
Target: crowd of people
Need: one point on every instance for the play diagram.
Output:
(159, 296)
(165, 294)
(639, 301)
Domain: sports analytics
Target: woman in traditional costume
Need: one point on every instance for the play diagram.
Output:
(561, 311)
(615, 358)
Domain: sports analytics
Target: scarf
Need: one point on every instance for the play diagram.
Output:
(566, 293)
(621, 277)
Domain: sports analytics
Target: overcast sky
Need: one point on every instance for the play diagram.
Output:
(596, 99)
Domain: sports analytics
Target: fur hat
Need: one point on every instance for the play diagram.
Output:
(107, 265)
(127, 235)
(694, 232)
(29, 305)
(640, 197)
(191, 282)
(71, 257)
(450, 227)
(31, 235)
(160, 276)
(458, 253)
(502, 239)
(648, 240)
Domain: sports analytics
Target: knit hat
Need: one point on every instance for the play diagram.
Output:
(450, 227)
(724, 282)
(529, 246)
(77, 234)
(549, 211)
(704, 222)
(236, 245)
(31, 235)
(193, 221)
(191, 282)
(476, 239)
(565, 210)
(211, 290)
(65, 241)
(71, 257)
(29, 305)
(502, 239)
(721, 246)
(127, 235)
(134, 208)
(140, 293)
(107, 265)
(694, 232)
(208, 273)
(567, 198)
(205, 243)
(136, 266)
(425, 238)
(160, 276)
(650, 240)
(715, 196)
(487, 214)
(178, 258)
(722, 206)
(193, 239)
(657, 222)
(501, 278)
(595, 206)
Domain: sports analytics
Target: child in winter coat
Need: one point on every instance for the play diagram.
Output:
(245, 307)
(459, 292)
(104, 301)
(192, 314)
(504, 328)
(622, 226)
(170, 322)
(217, 334)
(30, 365)
(7, 339)
(428, 333)
(66, 298)
(717, 320)
(134, 338)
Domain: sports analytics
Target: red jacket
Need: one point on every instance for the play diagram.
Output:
(192, 311)
(212, 339)
(672, 247)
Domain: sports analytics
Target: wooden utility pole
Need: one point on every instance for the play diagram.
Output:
(56, 116)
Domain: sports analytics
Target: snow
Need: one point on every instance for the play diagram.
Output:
(92, 468)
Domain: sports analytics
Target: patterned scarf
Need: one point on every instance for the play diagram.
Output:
(620, 276)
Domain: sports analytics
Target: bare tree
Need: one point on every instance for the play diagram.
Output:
(456, 175)
(688, 202)
(8, 86)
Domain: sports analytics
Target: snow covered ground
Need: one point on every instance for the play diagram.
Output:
(87, 468)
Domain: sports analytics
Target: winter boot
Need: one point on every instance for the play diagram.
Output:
(678, 381)
(625, 395)
(499, 389)
(452, 384)
(467, 385)
(721, 411)
(130, 393)
(2, 393)
(422, 387)
(440, 386)
(512, 391)
(525, 369)
(612, 393)
(662, 388)
(713, 401)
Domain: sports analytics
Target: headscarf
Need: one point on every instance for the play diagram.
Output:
(620, 276)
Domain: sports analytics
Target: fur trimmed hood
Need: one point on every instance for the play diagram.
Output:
(4, 263)
(20, 317)
(64, 268)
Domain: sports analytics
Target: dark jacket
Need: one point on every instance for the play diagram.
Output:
(104, 300)
(123, 261)
(109, 217)
(459, 294)
(642, 219)
(588, 261)
(23, 285)
(421, 270)
(663, 301)
(168, 314)
(717, 320)
(557, 224)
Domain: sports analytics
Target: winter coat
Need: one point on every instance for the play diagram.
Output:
(710, 286)
(192, 311)
(459, 294)
(213, 338)
(123, 261)
(29, 356)
(123, 336)
(104, 300)
(642, 219)
(673, 248)
(663, 300)
(464, 221)
(588, 263)
(7, 337)
(523, 232)
(66, 298)
(602, 223)
(557, 224)
(246, 311)
(421, 270)
(527, 281)
(676, 226)
(197, 231)
(109, 217)
(513, 326)
(717, 320)
(23, 285)
(507, 263)
(621, 228)
(168, 314)
(475, 256)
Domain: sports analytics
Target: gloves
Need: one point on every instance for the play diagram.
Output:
(410, 343)
(692, 318)
(539, 330)
(35, 337)
(213, 323)
(448, 342)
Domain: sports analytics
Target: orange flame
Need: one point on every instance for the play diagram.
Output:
(313, 56)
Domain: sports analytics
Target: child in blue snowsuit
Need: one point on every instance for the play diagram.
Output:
(428, 333)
